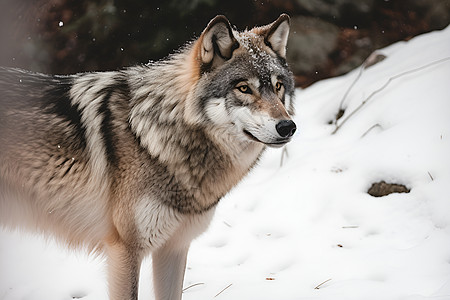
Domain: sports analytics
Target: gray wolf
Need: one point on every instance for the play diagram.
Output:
(133, 162)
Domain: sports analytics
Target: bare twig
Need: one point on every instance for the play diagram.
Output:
(223, 290)
(373, 59)
(384, 86)
(192, 285)
(318, 286)
(341, 105)
(429, 174)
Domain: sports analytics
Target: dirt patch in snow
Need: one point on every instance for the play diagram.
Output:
(380, 189)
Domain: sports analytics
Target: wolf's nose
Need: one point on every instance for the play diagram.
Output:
(286, 128)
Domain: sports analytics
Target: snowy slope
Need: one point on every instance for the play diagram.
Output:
(308, 229)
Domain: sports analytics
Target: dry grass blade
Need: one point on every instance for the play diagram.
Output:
(223, 290)
(284, 153)
(318, 286)
(192, 285)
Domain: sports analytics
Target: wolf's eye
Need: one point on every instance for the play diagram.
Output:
(244, 89)
(278, 86)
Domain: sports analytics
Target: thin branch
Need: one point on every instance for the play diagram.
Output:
(384, 86)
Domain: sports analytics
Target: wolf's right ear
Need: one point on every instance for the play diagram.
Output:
(217, 42)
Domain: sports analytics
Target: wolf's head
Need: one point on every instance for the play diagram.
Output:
(245, 84)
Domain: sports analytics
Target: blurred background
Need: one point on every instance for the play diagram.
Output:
(328, 37)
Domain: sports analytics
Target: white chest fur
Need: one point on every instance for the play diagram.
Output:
(158, 223)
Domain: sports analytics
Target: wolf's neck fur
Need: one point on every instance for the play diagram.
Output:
(204, 159)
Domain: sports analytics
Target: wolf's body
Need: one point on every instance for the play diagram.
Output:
(135, 161)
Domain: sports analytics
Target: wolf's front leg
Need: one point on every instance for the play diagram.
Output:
(169, 264)
(123, 271)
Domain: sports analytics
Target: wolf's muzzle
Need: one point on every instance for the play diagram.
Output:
(286, 128)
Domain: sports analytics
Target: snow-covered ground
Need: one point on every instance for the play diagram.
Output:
(308, 229)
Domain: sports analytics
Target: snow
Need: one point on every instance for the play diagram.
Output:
(308, 229)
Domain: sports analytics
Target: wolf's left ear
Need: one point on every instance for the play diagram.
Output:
(277, 33)
(217, 41)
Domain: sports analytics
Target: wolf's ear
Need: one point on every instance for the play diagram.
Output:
(217, 41)
(277, 33)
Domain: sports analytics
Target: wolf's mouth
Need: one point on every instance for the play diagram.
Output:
(276, 144)
(251, 136)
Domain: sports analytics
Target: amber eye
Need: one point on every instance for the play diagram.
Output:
(244, 89)
(278, 86)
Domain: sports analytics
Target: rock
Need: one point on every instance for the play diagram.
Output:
(311, 42)
(435, 13)
(342, 12)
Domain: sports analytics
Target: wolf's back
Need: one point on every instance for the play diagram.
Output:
(36, 114)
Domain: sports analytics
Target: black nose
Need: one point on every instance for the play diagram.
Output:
(286, 128)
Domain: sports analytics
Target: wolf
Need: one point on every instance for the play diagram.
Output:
(133, 162)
